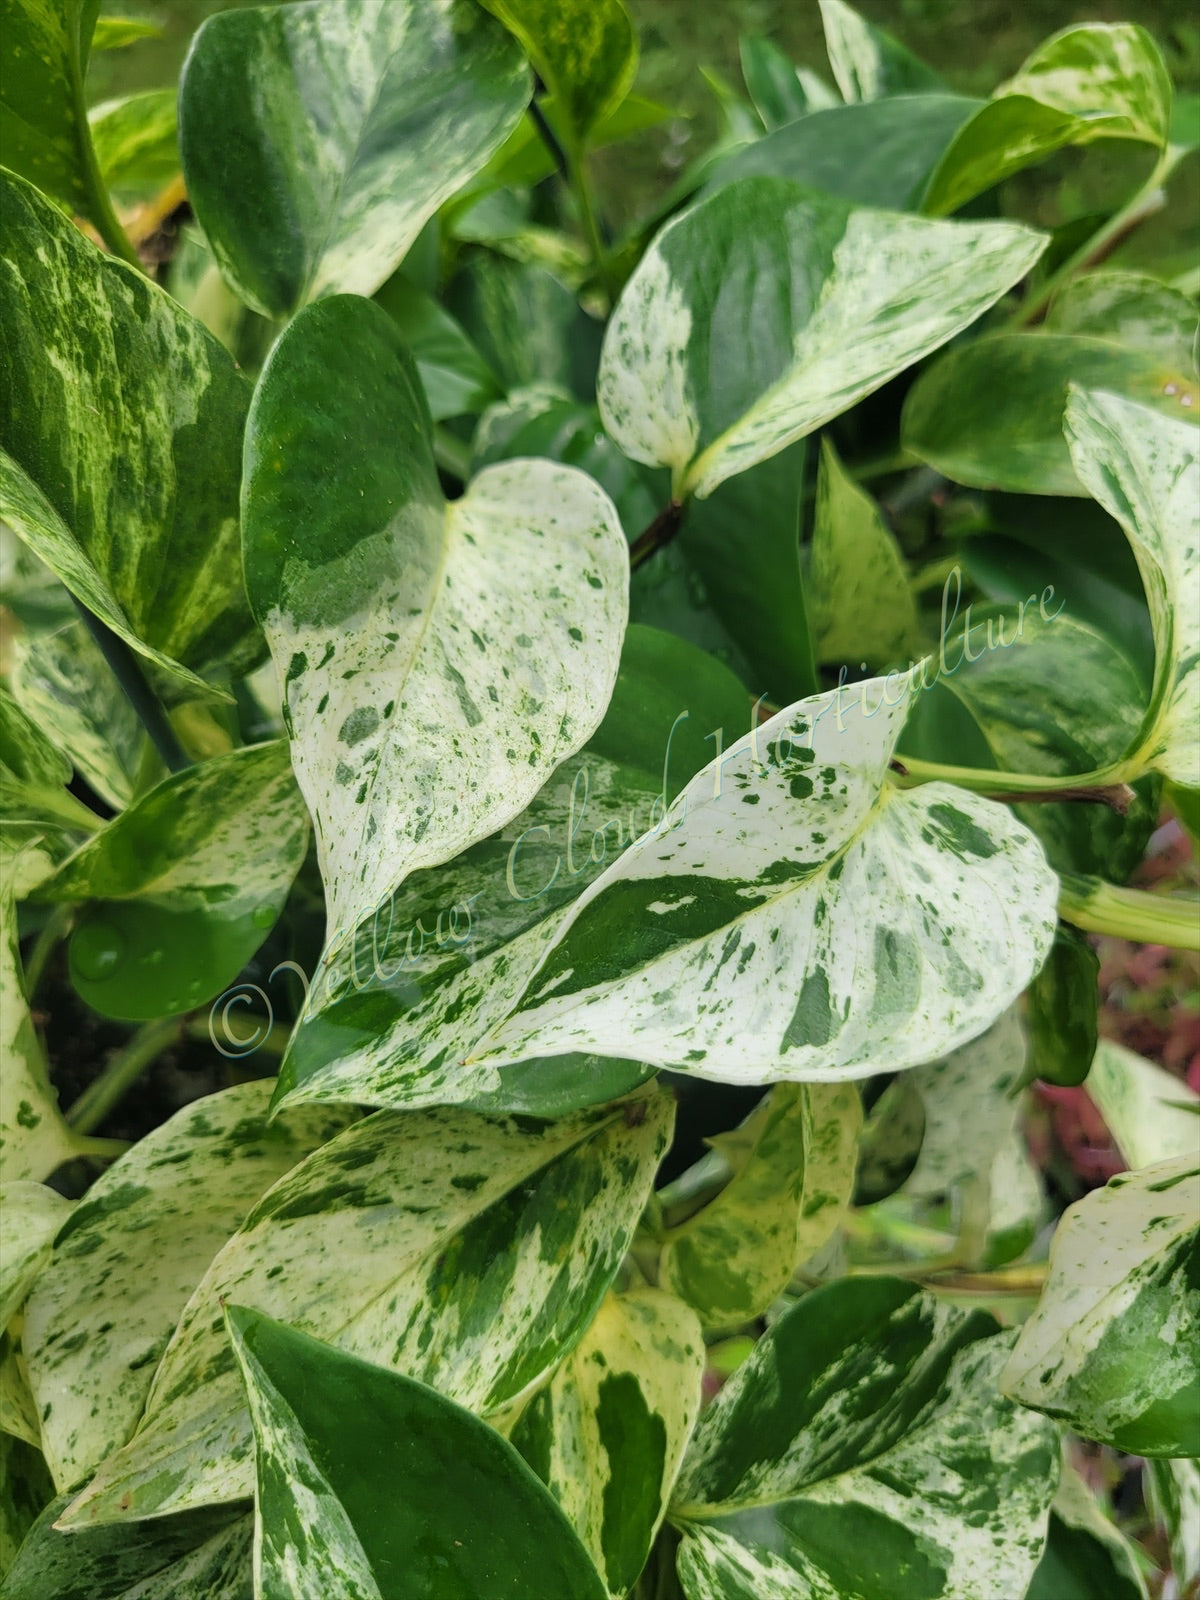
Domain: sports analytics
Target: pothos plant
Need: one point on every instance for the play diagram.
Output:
(481, 679)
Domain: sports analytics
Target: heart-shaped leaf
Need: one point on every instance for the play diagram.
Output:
(700, 375)
(363, 1476)
(126, 1260)
(120, 444)
(466, 1251)
(346, 124)
(414, 729)
(183, 887)
(618, 1412)
(1111, 1347)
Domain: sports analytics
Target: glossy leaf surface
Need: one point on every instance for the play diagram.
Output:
(584, 51)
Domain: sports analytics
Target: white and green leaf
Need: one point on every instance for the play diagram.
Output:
(30, 1216)
(867, 63)
(1152, 1114)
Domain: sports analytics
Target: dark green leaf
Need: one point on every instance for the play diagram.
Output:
(1063, 999)
(456, 378)
(43, 123)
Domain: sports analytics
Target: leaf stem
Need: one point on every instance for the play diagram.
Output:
(124, 1069)
(1104, 784)
(659, 533)
(1100, 907)
(100, 209)
(128, 673)
(1148, 200)
(54, 930)
(451, 455)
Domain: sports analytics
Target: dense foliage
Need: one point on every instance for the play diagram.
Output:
(489, 688)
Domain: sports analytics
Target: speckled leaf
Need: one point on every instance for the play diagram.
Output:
(868, 63)
(864, 1449)
(1152, 1114)
(34, 1139)
(794, 916)
(347, 123)
(608, 1432)
(34, 773)
(18, 1412)
(135, 137)
(63, 684)
(1111, 1347)
(1133, 308)
(390, 1019)
(858, 597)
(973, 1153)
(466, 1251)
(120, 442)
(203, 1555)
(364, 1477)
(437, 661)
(30, 1216)
(789, 1171)
(1145, 471)
(183, 887)
(1098, 81)
(584, 51)
(700, 375)
(990, 413)
(1173, 1491)
(129, 1256)
(1086, 1555)
(43, 126)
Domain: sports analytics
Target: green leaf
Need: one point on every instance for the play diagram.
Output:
(25, 1488)
(34, 1139)
(789, 1170)
(456, 379)
(1145, 471)
(469, 1252)
(137, 145)
(363, 1477)
(863, 1449)
(756, 883)
(43, 123)
(1174, 1496)
(1111, 1347)
(183, 887)
(390, 1019)
(127, 1259)
(120, 444)
(347, 124)
(868, 63)
(878, 153)
(990, 413)
(1136, 310)
(890, 1144)
(63, 684)
(860, 296)
(1150, 1113)
(1098, 81)
(415, 730)
(528, 325)
(584, 51)
(781, 91)
(1086, 1555)
(115, 33)
(30, 1216)
(1062, 1010)
(858, 596)
(607, 1434)
(204, 1555)
(34, 773)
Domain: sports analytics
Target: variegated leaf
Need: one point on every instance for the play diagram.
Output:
(863, 1448)
(34, 774)
(1152, 1114)
(34, 1138)
(183, 887)
(868, 64)
(25, 1488)
(347, 123)
(63, 684)
(1174, 1496)
(795, 916)
(1099, 81)
(203, 1555)
(1133, 308)
(789, 1173)
(1111, 1347)
(859, 601)
(1145, 470)
(120, 444)
(466, 1251)
(707, 382)
(1086, 1554)
(43, 129)
(135, 1247)
(30, 1216)
(608, 1432)
(136, 140)
(364, 1477)
(18, 1411)
(415, 729)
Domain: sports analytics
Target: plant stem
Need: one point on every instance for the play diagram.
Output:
(274, 1041)
(100, 208)
(1148, 200)
(128, 673)
(123, 1070)
(1015, 786)
(660, 532)
(53, 932)
(451, 455)
(1100, 907)
(568, 158)
(102, 1149)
